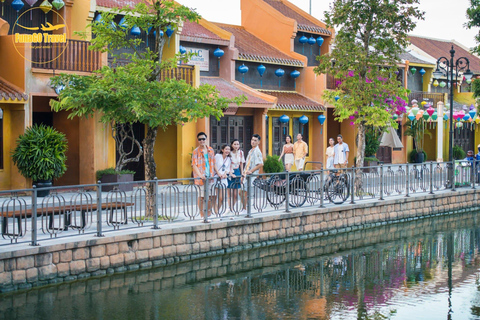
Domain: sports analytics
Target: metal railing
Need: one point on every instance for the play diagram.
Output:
(30, 216)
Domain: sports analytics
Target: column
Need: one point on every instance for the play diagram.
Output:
(440, 131)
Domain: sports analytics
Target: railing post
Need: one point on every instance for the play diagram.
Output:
(352, 201)
(453, 175)
(155, 205)
(287, 192)
(431, 177)
(99, 209)
(474, 170)
(407, 181)
(381, 182)
(206, 198)
(322, 188)
(34, 216)
(249, 196)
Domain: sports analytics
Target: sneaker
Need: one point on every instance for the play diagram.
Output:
(243, 212)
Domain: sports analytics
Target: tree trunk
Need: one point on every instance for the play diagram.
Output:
(360, 157)
(150, 169)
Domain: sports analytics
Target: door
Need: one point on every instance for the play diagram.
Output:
(465, 138)
(228, 128)
(279, 132)
(384, 154)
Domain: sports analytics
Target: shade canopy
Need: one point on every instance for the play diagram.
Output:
(391, 139)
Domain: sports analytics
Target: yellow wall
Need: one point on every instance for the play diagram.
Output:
(465, 98)
(12, 65)
(166, 153)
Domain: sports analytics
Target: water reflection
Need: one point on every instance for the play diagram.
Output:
(422, 270)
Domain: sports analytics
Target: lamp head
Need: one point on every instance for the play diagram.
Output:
(437, 73)
(468, 74)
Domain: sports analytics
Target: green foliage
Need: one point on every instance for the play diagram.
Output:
(272, 165)
(476, 88)
(40, 153)
(417, 130)
(101, 173)
(458, 153)
(413, 154)
(473, 14)
(372, 141)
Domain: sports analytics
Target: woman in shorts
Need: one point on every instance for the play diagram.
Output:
(238, 160)
(288, 151)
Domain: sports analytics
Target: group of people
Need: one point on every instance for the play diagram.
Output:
(229, 166)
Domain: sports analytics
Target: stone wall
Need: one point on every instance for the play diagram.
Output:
(38, 266)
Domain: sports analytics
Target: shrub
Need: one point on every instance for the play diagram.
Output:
(272, 165)
(458, 153)
(40, 153)
(101, 173)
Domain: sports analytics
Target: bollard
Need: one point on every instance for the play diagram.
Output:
(99, 209)
(431, 177)
(34, 217)
(206, 199)
(322, 187)
(287, 192)
(249, 197)
(352, 201)
(155, 206)
(381, 182)
(407, 181)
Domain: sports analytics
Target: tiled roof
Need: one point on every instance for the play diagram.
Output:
(230, 91)
(118, 3)
(251, 48)
(10, 92)
(441, 48)
(291, 100)
(303, 23)
(412, 59)
(195, 32)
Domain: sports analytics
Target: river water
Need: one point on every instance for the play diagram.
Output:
(427, 269)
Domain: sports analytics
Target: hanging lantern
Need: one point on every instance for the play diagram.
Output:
(320, 41)
(414, 102)
(430, 111)
(336, 98)
(295, 74)
(218, 53)
(413, 70)
(99, 18)
(477, 120)
(155, 33)
(58, 4)
(303, 120)
(415, 111)
(261, 70)
(435, 83)
(303, 39)
(284, 119)
(17, 5)
(445, 117)
(311, 41)
(169, 31)
(321, 118)
(243, 69)
(279, 73)
(395, 117)
(466, 117)
(30, 3)
(407, 109)
(135, 31)
(442, 84)
(435, 116)
(45, 6)
(411, 117)
(182, 50)
(422, 72)
(455, 116)
(123, 23)
(425, 116)
(423, 103)
(472, 113)
(418, 116)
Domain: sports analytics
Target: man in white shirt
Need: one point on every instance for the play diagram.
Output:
(342, 151)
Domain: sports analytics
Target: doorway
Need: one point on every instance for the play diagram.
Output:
(228, 128)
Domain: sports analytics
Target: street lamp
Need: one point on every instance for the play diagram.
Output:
(460, 64)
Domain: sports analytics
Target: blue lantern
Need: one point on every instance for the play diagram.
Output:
(149, 29)
(99, 18)
(17, 5)
(135, 31)
(472, 113)
(261, 70)
(466, 117)
(311, 41)
(319, 41)
(445, 116)
(155, 33)
(266, 117)
(182, 50)
(303, 120)
(243, 69)
(295, 74)
(284, 119)
(218, 53)
(422, 72)
(336, 98)
(122, 23)
(169, 31)
(303, 40)
(279, 73)
(321, 118)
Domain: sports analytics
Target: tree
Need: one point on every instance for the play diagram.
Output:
(371, 36)
(134, 91)
(473, 14)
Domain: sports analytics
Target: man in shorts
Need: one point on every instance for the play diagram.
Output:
(203, 165)
(253, 165)
(300, 150)
(342, 151)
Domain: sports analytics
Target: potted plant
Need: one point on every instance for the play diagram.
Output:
(40, 155)
(111, 175)
(372, 143)
(416, 130)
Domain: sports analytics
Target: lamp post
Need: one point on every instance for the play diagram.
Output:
(460, 64)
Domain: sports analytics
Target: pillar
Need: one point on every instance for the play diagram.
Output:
(440, 106)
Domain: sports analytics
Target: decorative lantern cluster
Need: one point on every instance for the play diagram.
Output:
(45, 6)
(311, 41)
(243, 69)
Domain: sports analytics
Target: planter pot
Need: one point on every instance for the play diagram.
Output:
(110, 178)
(43, 184)
(370, 164)
(420, 157)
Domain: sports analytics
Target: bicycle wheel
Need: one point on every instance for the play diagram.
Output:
(276, 192)
(337, 190)
(298, 192)
(344, 191)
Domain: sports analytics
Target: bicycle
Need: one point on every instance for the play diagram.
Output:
(337, 188)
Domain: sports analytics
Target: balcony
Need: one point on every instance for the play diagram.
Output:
(431, 97)
(76, 57)
(182, 72)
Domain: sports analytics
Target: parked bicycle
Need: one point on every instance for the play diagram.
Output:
(337, 187)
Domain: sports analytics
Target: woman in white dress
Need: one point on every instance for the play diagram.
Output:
(223, 162)
(330, 154)
(288, 151)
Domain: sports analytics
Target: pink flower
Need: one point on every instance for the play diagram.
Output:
(352, 123)
(352, 117)
(351, 73)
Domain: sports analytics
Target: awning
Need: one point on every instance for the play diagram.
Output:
(294, 101)
(391, 139)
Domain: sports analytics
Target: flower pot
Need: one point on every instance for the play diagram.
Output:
(110, 178)
(43, 184)
(419, 157)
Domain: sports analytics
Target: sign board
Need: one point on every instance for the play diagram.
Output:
(201, 59)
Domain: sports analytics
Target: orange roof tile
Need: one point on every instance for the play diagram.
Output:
(10, 92)
(291, 100)
(195, 32)
(441, 48)
(118, 3)
(230, 91)
(251, 48)
(303, 23)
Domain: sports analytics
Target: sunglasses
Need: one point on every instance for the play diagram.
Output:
(202, 139)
